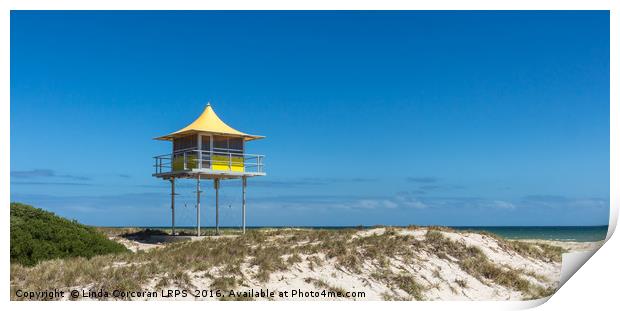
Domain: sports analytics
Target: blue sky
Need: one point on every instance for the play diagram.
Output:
(449, 118)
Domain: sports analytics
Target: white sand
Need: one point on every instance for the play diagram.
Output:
(442, 279)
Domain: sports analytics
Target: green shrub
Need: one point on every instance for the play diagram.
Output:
(38, 235)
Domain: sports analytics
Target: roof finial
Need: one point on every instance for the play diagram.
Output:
(208, 103)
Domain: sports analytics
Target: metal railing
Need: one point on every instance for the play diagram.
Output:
(217, 160)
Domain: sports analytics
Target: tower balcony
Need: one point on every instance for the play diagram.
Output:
(222, 163)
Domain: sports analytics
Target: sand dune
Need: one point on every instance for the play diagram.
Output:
(415, 263)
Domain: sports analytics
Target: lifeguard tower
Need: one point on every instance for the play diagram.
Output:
(208, 149)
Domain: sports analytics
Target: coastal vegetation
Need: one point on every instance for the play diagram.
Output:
(393, 259)
(38, 235)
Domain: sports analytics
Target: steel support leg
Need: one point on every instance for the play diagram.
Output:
(172, 194)
(216, 184)
(244, 183)
(198, 205)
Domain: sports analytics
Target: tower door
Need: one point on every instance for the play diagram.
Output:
(206, 149)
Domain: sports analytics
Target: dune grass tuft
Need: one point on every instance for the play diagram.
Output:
(473, 261)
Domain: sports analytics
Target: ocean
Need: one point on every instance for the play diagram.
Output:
(557, 233)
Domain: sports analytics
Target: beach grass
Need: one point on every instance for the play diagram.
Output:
(226, 262)
(472, 260)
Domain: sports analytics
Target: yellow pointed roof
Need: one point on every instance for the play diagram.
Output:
(209, 122)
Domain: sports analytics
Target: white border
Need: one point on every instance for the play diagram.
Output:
(583, 291)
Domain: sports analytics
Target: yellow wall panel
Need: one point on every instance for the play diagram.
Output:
(224, 163)
(177, 164)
